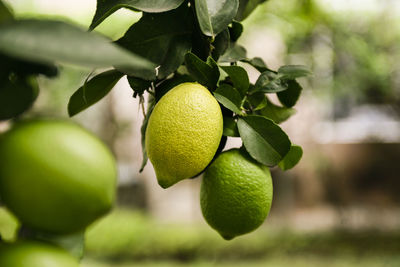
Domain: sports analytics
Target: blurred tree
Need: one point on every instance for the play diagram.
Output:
(355, 54)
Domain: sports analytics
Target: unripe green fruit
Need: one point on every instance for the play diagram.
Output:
(34, 254)
(55, 176)
(236, 194)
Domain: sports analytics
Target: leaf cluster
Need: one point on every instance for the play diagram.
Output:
(174, 41)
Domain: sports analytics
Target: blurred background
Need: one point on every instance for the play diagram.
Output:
(339, 207)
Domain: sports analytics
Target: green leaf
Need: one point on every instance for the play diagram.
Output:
(215, 15)
(25, 68)
(220, 44)
(5, 12)
(206, 73)
(246, 7)
(258, 63)
(234, 53)
(47, 41)
(139, 86)
(293, 71)
(106, 7)
(16, 96)
(257, 101)
(93, 91)
(167, 85)
(230, 127)
(276, 113)
(150, 106)
(162, 38)
(263, 139)
(239, 78)
(292, 158)
(229, 97)
(289, 97)
(269, 82)
(235, 30)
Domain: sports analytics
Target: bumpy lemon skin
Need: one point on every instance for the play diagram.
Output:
(55, 176)
(183, 133)
(34, 254)
(236, 194)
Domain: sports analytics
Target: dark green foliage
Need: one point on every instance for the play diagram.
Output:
(175, 41)
(93, 91)
(162, 38)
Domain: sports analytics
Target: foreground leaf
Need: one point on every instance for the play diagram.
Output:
(5, 12)
(234, 53)
(263, 139)
(16, 96)
(269, 82)
(239, 78)
(106, 7)
(150, 106)
(48, 41)
(229, 97)
(230, 127)
(235, 30)
(276, 113)
(206, 73)
(293, 71)
(290, 96)
(139, 86)
(93, 91)
(215, 15)
(292, 158)
(162, 38)
(23, 68)
(257, 101)
(246, 7)
(258, 63)
(221, 44)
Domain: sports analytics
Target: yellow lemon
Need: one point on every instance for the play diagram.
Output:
(183, 133)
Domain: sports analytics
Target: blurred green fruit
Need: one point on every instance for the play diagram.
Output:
(34, 254)
(55, 176)
(236, 194)
(183, 133)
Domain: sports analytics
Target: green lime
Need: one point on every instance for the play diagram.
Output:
(55, 176)
(236, 194)
(34, 254)
(183, 133)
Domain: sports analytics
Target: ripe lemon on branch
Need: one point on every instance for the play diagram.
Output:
(183, 133)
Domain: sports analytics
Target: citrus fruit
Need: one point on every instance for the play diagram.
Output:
(183, 133)
(55, 176)
(34, 254)
(236, 194)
